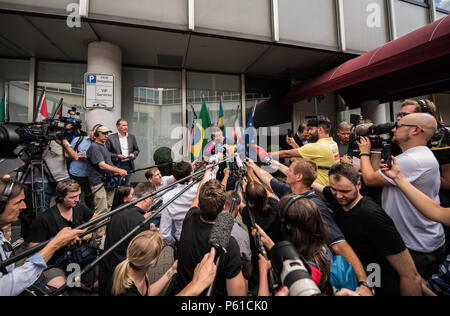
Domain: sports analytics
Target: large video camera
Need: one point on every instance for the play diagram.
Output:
(379, 135)
(32, 138)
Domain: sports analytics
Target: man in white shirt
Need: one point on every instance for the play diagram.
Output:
(173, 215)
(423, 237)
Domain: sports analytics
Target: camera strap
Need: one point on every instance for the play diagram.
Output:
(80, 139)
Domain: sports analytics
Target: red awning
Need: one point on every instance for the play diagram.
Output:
(415, 63)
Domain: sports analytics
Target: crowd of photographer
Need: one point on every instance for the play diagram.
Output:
(343, 209)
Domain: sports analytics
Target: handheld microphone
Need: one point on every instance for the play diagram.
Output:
(238, 161)
(209, 147)
(213, 159)
(263, 155)
(219, 237)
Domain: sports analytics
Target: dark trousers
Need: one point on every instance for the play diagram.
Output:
(427, 264)
(128, 167)
(85, 191)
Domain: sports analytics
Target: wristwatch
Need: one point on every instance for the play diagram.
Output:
(364, 283)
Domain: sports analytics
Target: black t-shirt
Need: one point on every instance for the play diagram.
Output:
(334, 233)
(271, 224)
(443, 157)
(133, 291)
(48, 224)
(193, 245)
(96, 154)
(121, 224)
(373, 236)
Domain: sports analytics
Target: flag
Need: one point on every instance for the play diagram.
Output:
(200, 126)
(43, 114)
(221, 116)
(250, 133)
(59, 112)
(2, 109)
(237, 129)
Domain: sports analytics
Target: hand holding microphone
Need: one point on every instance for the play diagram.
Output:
(263, 155)
(219, 237)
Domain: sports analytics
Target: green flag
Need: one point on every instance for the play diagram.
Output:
(201, 125)
(206, 122)
(2, 109)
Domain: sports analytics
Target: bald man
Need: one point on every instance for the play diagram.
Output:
(424, 238)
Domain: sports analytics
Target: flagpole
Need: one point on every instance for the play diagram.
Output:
(6, 109)
(39, 103)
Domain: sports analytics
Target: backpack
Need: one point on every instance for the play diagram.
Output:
(342, 274)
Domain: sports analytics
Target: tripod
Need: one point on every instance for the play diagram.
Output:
(34, 166)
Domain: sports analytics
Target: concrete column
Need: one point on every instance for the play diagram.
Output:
(374, 111)
(106, 58)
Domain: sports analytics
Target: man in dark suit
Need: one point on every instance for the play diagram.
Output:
(300, 138)
(123, 147)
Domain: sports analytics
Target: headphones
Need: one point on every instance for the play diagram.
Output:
(61, 193)
(5, 195)
(96, 127)
(424, 107)
(285, 227)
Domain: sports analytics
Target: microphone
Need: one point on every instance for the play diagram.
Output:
(238, 161)
(263, 155)
(219, 237)
(209, 147)
(213, 159)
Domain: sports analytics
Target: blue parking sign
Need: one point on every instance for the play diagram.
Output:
(91, 78)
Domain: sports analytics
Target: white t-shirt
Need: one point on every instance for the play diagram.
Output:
(421, 168)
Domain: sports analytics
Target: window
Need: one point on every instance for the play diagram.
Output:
(443, 5)
(14, 83)
(212, 88)
(62, 80)
(152, 110)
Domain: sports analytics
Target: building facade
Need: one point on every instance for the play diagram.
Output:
(167, 56)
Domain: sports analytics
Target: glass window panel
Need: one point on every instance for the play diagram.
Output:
(213, 87)
(62, 80)
(153, 116)
(365, 24)
(443, 4)
(403, 13)
(167, 11)
(14, 76)
(312, 22)
(249, 16)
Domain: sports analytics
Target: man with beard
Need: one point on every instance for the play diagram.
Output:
(322, 149)
(371, 233)
(423, 237)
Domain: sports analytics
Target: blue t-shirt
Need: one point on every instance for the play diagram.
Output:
(79, 168)
(335, 235)
(96, 154)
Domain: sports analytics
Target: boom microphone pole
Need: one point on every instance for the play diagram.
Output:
(126, 237)
(39, 247)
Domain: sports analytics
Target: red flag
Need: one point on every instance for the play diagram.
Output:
(42, 115)
(59, 114)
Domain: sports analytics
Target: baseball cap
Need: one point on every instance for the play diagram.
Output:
(103, 129)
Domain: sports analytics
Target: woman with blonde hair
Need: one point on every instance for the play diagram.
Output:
(130, 276)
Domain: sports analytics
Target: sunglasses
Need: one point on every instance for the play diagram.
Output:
(401, 115)
(398, 125)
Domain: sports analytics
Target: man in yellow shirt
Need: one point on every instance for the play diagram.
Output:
(322, 149)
